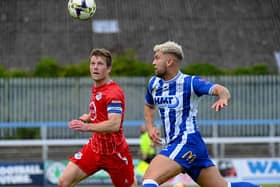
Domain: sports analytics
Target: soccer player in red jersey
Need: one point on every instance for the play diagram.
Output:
(107, 148)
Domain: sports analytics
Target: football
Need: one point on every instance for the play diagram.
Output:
(81, 9)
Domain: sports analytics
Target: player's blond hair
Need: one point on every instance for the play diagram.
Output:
(170, 47)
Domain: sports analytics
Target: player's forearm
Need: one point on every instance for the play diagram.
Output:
(221, 91)
(149, 113)
(104, 127)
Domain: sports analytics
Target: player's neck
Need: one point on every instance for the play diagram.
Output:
(170, 75)
(102, 82)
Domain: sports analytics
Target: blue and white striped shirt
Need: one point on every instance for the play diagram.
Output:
(177, 102)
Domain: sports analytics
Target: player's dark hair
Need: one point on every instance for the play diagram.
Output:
(102, 52)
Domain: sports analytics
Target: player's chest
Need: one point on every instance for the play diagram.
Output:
(98, 99)
(171, 96)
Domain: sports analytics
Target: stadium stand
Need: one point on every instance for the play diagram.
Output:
(229, 34)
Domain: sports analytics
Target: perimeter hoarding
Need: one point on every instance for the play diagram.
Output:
(21, 174)
(257, 170)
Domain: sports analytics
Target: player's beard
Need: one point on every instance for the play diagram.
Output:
(161, 73)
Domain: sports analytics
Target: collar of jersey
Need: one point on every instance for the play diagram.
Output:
(174, 78)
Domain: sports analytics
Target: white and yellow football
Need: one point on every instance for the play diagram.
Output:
(81, 9)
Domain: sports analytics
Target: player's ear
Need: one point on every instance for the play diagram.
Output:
(170, 61)
(109, 68)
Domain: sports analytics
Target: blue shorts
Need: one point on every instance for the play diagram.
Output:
(192, 156)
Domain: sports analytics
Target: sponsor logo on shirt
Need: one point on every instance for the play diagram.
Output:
(169, 101)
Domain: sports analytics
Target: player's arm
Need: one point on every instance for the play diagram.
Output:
(85, 117)
(111, 125)
(223, 94)
(149, 114)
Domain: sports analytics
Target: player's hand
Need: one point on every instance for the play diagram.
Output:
(155, 135)
(219, 104)
(78, 125)
(85, 118)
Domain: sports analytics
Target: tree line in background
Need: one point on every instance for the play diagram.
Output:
(125, 65)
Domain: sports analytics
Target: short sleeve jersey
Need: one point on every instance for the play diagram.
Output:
(177, 101)
(106, 99)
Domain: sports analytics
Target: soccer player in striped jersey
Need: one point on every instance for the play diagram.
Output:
(176, 96)
(107, 148)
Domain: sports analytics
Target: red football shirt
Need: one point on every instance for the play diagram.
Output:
(107, 98)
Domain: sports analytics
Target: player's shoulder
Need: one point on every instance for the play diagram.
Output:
(114, 85)
(152, 83)
(154, 80)
(114, 89)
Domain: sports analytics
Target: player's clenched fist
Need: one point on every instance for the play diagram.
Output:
(78, 125)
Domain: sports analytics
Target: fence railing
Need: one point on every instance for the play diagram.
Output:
(45, 106)
(209, 128)
(38, 99)
(217, 138)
